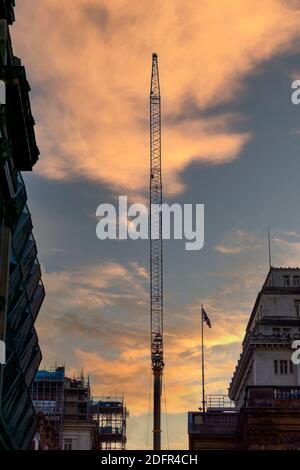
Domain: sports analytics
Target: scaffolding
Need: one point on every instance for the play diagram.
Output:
(77, 399)
(111, 415)
(47, 392)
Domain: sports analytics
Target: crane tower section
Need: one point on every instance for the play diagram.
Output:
(156, 222)
(156, 259)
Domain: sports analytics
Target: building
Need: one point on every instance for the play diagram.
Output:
(47, 392)
(21, 289)
(264, 411)
(66, 406)
(46, 436)
(273, 326)
(111, 414)
(80, 431)
(70, 419)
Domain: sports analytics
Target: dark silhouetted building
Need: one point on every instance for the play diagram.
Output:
(21, 289)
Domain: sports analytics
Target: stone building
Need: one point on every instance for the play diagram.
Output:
(265, 387)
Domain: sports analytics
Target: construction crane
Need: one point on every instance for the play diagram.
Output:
(156, 260)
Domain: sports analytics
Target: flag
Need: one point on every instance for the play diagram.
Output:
(205, 318)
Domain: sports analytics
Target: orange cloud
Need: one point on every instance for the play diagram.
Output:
(89, 62)
(98, 319)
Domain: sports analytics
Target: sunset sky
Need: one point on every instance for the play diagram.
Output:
(231, 140)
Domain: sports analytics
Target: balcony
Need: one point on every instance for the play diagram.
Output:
(20, 198)
(272, 397)
(34, 363)
(37, 300)
(30, 254)
(33, 280)
(20, 122)
(26, 356)
(23, 333)
(16, 311)
(14, 281)
(21, 234)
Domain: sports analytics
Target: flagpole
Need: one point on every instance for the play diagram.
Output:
(269, 247)
(202, 355)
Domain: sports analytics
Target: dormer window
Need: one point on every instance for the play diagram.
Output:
(296, 280)
(286, 280)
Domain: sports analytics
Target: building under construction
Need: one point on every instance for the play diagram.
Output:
(71, 419)
(111, 414)
(47, 394)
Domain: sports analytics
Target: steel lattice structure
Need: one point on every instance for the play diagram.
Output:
(156, 259)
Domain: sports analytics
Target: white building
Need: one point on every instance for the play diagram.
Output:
(79, 435)
(273, 326)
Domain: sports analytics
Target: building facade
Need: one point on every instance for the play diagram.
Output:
(273, 326)
(47, 393)
(111, 414)
(21, 289)
(69, 417)
(80, 431)
(265, 387)
(65, 405)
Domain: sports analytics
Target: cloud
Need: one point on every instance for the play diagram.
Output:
(228, 250)
(91, 285)
(286, 250)
(89, 64)
(97, 318)
(238, 241)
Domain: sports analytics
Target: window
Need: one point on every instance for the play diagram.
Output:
(297, 307)
(68, 444)
(286, 280)
(296, 280)
(283, 367)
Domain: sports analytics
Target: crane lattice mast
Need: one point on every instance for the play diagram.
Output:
(156, 260)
